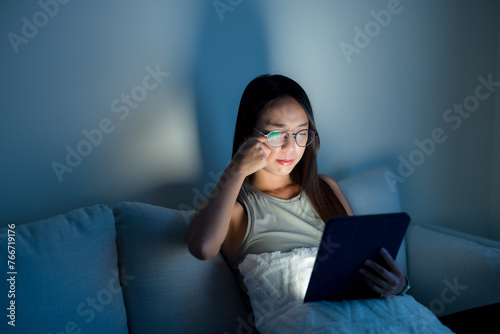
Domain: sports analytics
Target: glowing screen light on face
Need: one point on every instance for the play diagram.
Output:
(276, 138)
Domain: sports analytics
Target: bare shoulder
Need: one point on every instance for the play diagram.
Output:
(335, 186)
(338, 191)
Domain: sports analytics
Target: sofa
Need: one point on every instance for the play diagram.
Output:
(126, 269)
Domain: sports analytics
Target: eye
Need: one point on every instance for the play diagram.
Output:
(276, 138)
(274, 135)
(304, 137)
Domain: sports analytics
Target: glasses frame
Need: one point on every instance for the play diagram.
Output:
(288, 135)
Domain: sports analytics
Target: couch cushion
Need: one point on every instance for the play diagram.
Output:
(372, 192)
(172, 291)
(450, 273)
(67, 275)
(375, 192)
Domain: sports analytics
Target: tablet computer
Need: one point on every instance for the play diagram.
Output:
(346, 243)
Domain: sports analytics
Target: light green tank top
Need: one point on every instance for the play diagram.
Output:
(276, 224)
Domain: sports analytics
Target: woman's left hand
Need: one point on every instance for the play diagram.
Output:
(388, 281)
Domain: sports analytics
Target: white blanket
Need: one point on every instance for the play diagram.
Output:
(277, 283)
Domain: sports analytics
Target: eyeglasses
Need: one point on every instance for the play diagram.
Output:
(277, 138)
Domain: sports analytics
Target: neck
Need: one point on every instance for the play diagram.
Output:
(280, 186)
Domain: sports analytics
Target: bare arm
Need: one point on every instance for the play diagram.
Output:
(340, 194)
(210, 225)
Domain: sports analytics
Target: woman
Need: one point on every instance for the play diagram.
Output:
(270, 197)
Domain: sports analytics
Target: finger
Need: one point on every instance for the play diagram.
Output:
(392, 265)
(266, 148)
(375, 283)
(248, 143)
(376, 278)
(254, 143)
(261, 142)
(262, 150)
(261, 138)
(376, 267)
(376, 288)
(383, 273)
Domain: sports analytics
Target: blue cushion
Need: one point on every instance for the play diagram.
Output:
(173, 292)
(66, 277)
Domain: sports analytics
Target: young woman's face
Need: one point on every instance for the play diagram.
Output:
(285, 114)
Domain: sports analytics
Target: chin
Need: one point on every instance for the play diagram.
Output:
(280, 170)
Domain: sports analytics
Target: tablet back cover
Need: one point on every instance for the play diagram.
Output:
(346, 243)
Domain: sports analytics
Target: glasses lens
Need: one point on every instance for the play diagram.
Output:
(276, 138)
(304, 137)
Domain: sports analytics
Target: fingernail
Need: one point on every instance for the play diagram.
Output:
(368, 262)
(362, 271)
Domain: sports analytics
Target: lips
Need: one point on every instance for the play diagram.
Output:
(285, 162)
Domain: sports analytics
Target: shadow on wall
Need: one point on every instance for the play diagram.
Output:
(231, 51)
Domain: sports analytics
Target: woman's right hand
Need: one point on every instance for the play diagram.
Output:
(251, 156)
(211, 223)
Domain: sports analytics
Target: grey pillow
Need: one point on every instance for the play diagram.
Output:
(171, 291)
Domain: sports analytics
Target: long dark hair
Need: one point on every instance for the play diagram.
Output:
(256, 98)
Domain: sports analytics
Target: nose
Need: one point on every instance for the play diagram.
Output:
(289, 143)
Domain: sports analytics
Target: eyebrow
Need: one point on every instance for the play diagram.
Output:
(280, 125)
